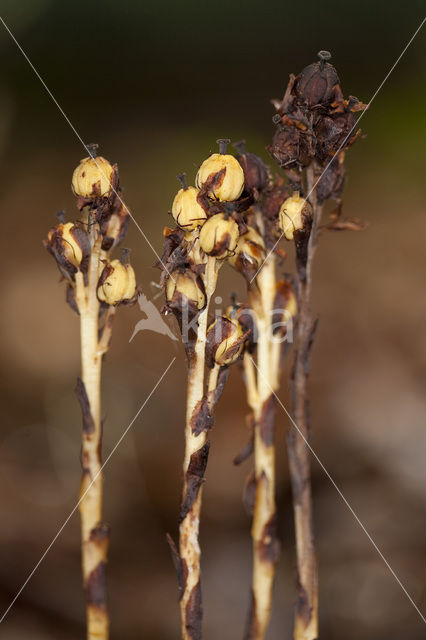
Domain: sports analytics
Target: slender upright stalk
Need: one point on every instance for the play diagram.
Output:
(306, 614)
(260, 383)
(94, 534)
(195, 461)
(96, 285)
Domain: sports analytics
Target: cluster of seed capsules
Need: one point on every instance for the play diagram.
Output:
(315, 123)
(96, 185)
(218, 218)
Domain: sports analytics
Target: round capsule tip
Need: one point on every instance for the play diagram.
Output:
(223, 145)
(324, 55)
(182, 179)
(92, 149)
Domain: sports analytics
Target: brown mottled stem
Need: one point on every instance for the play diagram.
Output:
(306, 612)
(195, 462)
(95, 535)
(261, 382)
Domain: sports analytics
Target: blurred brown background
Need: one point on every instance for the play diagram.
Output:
(155, 83)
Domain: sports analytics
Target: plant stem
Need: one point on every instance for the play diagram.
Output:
(306, 612)
(261, 400)
(195, 462)
(95, 535)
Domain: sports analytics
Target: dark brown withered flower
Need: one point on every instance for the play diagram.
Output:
(256, 173)
(313, 120)
(274, 197)
(318, 84)
(330, 182)
(290, 146)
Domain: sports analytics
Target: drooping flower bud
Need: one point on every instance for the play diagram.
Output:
(223, 173)
(186, 210)
(185, 288)
(117, 283)
(225, 341)
(249, 253)
(219, 236)
(93, 178)
(114, 227)
(194, 254)
(256, 174)
(295, 214)
(70, 246)
(245, 315)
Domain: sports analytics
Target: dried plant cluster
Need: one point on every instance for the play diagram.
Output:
(237, 213)
(96, 285)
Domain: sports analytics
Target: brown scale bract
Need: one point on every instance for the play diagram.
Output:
(96, 587)
(194, 612)
(194, 478)
(267, 421)
(201, 419)
(88, 422)
(179, 564)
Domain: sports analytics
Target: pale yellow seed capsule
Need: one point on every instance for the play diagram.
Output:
(186, 210)
(119, 285)
(72, 249)
(227, 349)
(93, 178)
(194, 251)
(185, 284)
(251, 246)
(219, 236)
(232, 184)
(292, 214)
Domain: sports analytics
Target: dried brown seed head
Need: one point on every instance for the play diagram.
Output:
(219, 236)
(295, 214)
(187, 211)
(117, 283)
(93, 178)
(315, 84)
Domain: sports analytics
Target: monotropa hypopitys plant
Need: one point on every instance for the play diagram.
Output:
(97, 284)
(315, 125)
(209, 220)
